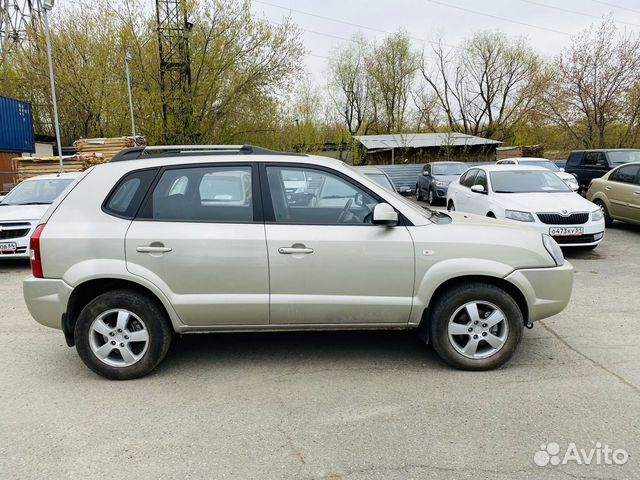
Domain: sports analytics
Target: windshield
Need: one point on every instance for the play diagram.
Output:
(381, 180)
(449, 169)
(527, 181)
(36, 192)
(624, 156)
(541, 163)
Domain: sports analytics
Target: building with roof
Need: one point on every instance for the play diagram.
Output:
(426, 147)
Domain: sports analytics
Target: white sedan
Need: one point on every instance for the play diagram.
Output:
(567, 178)
(532, 196)
(22, 208)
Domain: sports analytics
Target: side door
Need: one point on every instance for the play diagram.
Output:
(328, 264)
(200, 238)
(623, 192)
(463, 194)
(594, 165)
(479, 201)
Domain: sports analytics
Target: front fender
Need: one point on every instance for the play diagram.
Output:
(446, 270)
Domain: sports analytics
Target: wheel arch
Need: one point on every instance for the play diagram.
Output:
(85, 292)
(507, 286)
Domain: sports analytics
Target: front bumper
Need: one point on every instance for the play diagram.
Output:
(46, 300)
(546, 290)
(593, 233)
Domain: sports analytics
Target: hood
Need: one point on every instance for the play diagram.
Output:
(544, 202)
(10, 213)
(446, 178)
(566, 176)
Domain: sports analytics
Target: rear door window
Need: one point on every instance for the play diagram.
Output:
(219, 194)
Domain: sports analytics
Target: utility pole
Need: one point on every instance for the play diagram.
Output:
(127, 59)
(47, 6)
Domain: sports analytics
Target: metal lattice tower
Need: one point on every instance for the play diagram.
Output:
(175, 70)
(16, 17)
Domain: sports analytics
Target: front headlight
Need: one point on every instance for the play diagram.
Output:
(597, 215)
(571, 180)
(553, 248)
(440, 184)
(518, 215)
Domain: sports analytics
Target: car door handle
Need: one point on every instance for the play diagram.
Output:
(636, 193)
(294, 250)
(607, 188)
(153, 249)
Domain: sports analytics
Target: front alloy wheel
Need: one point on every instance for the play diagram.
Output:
(475, 326)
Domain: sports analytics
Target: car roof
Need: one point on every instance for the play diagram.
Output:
(526, 159)
(607, 150)
(447, 162)
(507, 168)
(54, 176)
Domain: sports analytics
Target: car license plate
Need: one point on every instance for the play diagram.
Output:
(565, 231)
(8, 247)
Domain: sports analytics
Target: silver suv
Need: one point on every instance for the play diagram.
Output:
(226, 239)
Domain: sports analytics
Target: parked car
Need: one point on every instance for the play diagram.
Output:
(435, 178)
(590, 164)
(567, 178)
(378, 176)
(531, 196)
(618, 194)
(120, 262)
(22, 208)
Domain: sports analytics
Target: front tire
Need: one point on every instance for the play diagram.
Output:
(419, 196)
(431, 198)
(122, 335)
(476, 326)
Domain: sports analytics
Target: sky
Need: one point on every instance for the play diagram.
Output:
(551, 22)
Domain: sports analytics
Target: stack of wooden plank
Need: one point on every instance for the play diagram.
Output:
(101, 150)
(91, 151)
(31, 166)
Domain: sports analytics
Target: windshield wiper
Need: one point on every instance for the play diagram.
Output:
(338, 196)
(33, 203)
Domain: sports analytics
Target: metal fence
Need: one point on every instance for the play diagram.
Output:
(403, 175)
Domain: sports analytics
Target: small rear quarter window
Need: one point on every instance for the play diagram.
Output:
(124, 200)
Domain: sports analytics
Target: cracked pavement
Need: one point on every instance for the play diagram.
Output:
(349, 405)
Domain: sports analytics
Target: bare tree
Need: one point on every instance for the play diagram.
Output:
(349, 84)
(392, 67)
(487, 86)
(596, 85)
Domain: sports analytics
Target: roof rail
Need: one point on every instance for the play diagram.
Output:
(135, 153)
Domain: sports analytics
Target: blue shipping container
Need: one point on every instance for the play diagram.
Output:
(16, 126)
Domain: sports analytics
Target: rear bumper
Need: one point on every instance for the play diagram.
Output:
(46, 300)
(547, 290)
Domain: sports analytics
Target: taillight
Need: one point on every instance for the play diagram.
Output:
(34, 252)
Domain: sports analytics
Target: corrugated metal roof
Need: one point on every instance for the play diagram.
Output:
(417, 140)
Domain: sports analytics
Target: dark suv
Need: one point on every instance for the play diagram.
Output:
(435, 178)
(590, 164)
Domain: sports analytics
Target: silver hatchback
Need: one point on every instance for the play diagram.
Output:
(228, 239)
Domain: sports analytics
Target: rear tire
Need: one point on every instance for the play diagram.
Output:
(492, 315)
(419, 196)
(608, 220)
(122, 335)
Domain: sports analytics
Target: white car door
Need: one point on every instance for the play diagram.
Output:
(462, 198)
(327, 263)
(479, 201)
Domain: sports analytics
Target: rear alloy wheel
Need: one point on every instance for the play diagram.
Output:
(419, 196)
(122, 335)
(431, 199)
(608, 220)
(451, 207)
(476, 326)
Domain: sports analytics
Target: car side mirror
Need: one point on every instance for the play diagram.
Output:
(562, 169)
(478, 189)
(384, 214)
